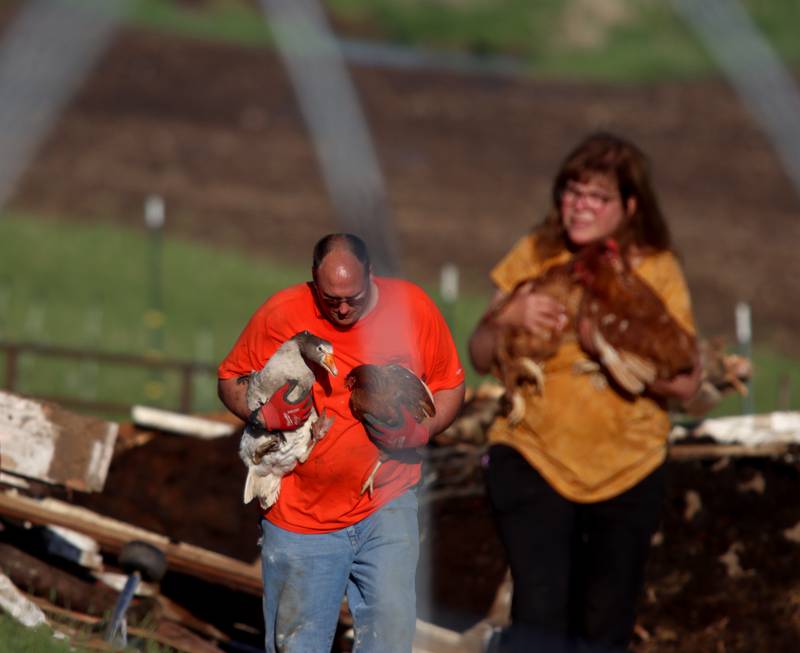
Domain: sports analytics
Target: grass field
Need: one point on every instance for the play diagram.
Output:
(15, 638)
(91, 286)
(620, 40)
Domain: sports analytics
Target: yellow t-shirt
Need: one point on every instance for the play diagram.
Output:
(590, 443)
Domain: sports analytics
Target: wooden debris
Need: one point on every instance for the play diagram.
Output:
(753, 430)
(693, 504)
(178, 613)
(43, 441)
(73, 546)
(730, 560)
(756, 484)
(112, 535)
(793, 534)
(166, 633)
(713, 451)
(18, 606)
(180, 424)
(430, 638)
(42, 579)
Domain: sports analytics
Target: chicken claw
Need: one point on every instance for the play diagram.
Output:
(526, 368)
(321, 426)
(369, 483)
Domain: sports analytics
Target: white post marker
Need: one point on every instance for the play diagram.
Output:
(448, 289)
(154, 217)
(744, 335)
(448, 282)
(154, 212)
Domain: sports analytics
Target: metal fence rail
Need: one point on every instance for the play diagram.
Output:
(186, 370)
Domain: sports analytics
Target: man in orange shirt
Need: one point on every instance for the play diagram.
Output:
(323, 538)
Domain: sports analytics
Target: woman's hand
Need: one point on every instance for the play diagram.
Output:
(537, 312)
(683, 386)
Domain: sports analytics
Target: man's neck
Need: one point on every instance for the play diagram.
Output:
(374, 295)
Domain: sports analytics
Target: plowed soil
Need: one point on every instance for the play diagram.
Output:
(467, 159)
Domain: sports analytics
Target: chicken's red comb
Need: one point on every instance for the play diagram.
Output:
(612, 246)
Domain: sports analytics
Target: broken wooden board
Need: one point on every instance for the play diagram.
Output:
(46, 442)
(17, 605)
(112, 534)
(181, 424)
(166, 632)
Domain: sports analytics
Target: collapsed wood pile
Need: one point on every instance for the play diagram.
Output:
(724, 564)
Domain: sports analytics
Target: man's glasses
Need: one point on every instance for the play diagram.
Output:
(595, 200)
(334, 302)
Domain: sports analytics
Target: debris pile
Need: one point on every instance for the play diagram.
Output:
(724, 571)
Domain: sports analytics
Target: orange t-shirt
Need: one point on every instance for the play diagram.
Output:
(405, 327)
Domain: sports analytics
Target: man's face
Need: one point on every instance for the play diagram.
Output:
(343, 288)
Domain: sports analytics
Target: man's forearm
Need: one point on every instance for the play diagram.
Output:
(234, 395)
(481, 347)
(448, 404)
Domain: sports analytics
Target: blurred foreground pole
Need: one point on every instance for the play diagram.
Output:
(744, 335)
(764, 84)
(154, 315)
(45, 53)
(336, 124)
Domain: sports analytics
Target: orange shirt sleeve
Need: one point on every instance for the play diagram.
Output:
(442, 364)
(260, 338)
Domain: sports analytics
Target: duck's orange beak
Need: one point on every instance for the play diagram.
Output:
(329, 364)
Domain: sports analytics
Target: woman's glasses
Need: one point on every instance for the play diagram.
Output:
(593, 199)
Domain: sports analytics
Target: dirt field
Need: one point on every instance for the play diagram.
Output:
(468, 159)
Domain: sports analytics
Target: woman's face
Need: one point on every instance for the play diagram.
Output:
(592, 209)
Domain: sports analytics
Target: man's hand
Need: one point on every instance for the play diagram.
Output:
(280, 414)
(406, 434)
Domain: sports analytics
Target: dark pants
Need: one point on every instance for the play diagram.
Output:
(578, 569)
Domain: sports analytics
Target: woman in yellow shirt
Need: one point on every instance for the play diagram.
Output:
(576, 486)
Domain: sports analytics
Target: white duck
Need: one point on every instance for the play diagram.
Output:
(269, 455)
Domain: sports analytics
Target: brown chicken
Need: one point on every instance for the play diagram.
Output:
(723, 372)
(635, 337)
(519, 353)
(378, 392)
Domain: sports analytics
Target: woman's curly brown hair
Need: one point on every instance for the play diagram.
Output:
(607, 154)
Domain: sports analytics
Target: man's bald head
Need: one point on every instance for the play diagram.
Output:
(342, 279)
(347, 242)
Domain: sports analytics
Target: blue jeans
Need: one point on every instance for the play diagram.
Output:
(373, 562)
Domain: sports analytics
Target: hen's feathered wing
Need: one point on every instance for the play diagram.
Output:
(636, 337)
(378, 391)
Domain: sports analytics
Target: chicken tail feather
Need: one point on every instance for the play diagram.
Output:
(266, 488)
(616, 366)
(517, 411)
(641, 368)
